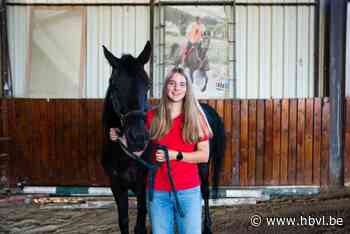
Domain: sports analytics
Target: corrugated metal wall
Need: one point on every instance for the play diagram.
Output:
(18, 33)
(347, 67)
(275, 51)
(122, 29)
(274, 47)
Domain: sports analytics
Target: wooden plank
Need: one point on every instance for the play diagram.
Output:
(67, 150)
(75, 146)
(268, 143)
(276, 162)
(91, 141)
(13, 150)
(99, 141)
(301, 142)
(235, 140)
(83, 140)
(44, 140)
(244, 144)
(35, 141)
(4, 139)
(67, 141)
(227, 175)
(325, 142)
(59, 133)
(220, 108)
(317, 141)
(347, 142)
(292, 149)
(309, 123)
(252, 132)
(51, 124)
(25, 137)
(4, 108)
(260, 143)
(284, 142)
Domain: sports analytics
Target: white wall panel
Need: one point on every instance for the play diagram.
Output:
(91, 58)
(122, 29)
(275, 51)
(18, 30)
(252, 52)
(347, 67)
(311, 47)
(105, 21)
(265, 45)
(303, 52)
(290, 53)
(241, 52)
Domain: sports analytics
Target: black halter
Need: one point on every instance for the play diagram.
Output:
(123, 117)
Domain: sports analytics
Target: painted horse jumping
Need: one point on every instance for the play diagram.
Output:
(196, 61)
(124, 108)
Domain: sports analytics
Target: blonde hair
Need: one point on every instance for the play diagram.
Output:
(194, 128)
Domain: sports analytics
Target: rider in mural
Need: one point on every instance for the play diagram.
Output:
(194, 37)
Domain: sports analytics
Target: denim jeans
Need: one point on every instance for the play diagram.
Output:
(162, 212)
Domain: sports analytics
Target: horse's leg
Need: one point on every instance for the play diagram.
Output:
(140, 192)
(121, 198)
(206, 80)
(204, 175)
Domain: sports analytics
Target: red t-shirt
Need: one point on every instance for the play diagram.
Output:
(185, 175)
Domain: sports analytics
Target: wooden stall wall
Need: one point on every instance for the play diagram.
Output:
(5, 145)
(269, 142)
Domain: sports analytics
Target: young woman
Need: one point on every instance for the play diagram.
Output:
(179, 124)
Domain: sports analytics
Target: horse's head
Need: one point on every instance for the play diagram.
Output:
(127, 95)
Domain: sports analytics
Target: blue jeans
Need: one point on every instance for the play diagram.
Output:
(162, 212)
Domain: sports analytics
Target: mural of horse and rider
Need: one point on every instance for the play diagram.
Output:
(196, 39)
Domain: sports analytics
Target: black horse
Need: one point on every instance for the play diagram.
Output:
(124, 108)
(196, 60)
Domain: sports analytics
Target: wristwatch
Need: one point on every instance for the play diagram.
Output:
(179, 156)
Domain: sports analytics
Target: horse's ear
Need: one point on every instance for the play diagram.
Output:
(113, 61)
(145, 54)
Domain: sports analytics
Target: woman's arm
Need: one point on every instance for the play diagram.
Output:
(201, 155)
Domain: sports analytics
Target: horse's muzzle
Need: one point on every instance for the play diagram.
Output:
(137, 140)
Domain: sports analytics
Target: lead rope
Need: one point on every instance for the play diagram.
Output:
(177, 202)
(153, 169)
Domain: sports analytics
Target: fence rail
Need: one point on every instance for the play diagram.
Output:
(269, 142)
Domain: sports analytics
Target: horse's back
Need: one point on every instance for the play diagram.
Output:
(217, 143)
(213, 117)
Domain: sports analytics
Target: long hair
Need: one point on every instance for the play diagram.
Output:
(195, 126)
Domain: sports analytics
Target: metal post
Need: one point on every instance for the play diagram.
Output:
(5, 71)
(337, 81)
(151, 38)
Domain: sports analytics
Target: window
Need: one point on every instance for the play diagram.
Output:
(56, 53)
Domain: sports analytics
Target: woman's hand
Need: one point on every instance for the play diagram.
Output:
(160, 155)
(113, 134)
